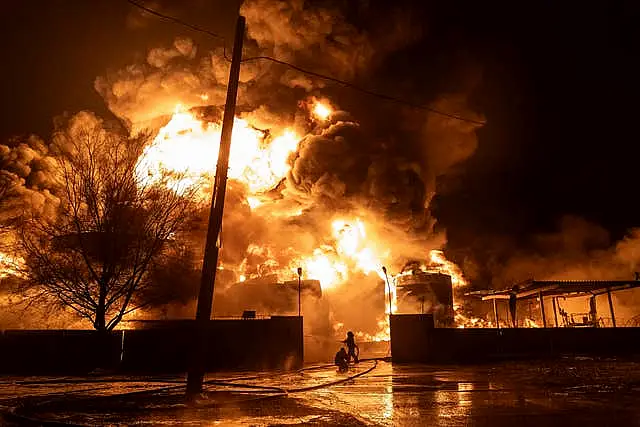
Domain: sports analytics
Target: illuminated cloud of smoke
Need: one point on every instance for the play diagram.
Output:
(341, 168)
(29, 170)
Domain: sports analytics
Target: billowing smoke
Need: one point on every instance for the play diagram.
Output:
(578, 250)
(367, 175)
(28, 174)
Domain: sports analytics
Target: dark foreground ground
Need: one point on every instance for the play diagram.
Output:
(569, 392)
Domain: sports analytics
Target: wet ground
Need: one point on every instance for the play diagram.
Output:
(569, 392)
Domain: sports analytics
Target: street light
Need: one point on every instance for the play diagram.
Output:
(384, 270)
(299, 282)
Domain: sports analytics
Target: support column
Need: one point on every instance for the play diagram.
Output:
(542, 313)
(495, 313)
(555, 311)
(613, 315)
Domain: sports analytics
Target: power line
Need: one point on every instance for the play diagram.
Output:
(174, 19)
(366, 91)
(305, 71)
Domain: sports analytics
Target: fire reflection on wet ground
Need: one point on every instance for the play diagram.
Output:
(554, 393)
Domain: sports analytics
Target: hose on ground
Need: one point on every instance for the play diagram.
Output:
(272, 392)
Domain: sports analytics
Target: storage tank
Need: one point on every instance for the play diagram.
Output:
(421, 292)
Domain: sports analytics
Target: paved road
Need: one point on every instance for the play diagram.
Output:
(562, 393)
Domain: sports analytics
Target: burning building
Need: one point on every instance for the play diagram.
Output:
(338, 194)
(426, 293)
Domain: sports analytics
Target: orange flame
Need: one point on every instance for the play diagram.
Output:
(442, 265)
(350, 251)
(322, 110)
(189, 146)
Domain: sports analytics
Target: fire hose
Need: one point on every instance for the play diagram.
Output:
(271, 391)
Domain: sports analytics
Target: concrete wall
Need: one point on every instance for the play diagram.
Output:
(163, 347)
(54, 351)
(414, 339)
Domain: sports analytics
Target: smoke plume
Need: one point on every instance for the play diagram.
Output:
(374, 171)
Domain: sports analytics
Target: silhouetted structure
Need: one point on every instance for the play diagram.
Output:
(155, 347)
(553, 290)
(414, 339)
(426, 293)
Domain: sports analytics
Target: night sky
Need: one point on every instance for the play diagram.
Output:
(558, 84)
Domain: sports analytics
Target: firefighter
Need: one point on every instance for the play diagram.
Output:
(352, 346)
(342, 360)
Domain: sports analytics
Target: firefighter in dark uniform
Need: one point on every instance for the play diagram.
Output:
(352, 346)
(342, 360)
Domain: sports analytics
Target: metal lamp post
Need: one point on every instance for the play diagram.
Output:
(384, 270)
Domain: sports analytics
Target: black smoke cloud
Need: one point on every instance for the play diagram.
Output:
(383, 164)
(380, 162)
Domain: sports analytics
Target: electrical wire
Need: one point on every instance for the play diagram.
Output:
(366, 91)
(174, 20)
(309, 72)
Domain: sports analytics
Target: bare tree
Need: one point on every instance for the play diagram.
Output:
(113, 227)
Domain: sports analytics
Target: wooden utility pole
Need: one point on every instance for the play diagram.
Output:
(613, 314)
(197, 369)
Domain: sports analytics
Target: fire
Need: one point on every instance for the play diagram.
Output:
(442, 265)
(254, 202)
(438, 263)
(189, 147)
(383, 334)
(322, 111)
(349, 252)
(325, 267)
(463, 322)
(530, 323)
